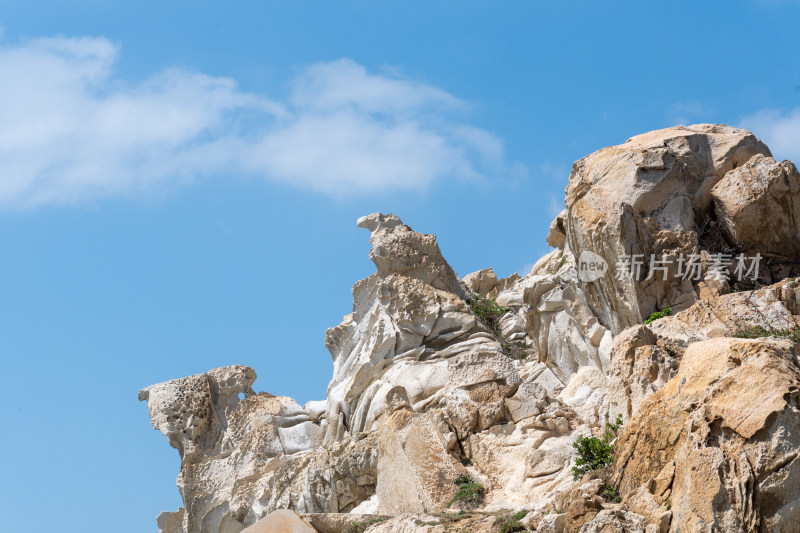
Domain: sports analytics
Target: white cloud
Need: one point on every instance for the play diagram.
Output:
(780, 130)
(70, 130)
(555, 206)
(686, 113)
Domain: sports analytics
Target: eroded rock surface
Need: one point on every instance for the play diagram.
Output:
(728, 458)
(425, 392)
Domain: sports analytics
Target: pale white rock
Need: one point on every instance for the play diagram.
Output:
(481, 282)
(552, 523)
(588, 395)
(618, 521)
(230, 447)
(315, 408)
(397, 249)
(564, 329)
(281, 521)
(369, 506)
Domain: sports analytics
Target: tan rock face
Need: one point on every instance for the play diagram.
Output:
(751, 198)
(719, 442)
(415, 470)
(648, 196)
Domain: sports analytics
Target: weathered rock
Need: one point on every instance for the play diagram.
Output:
(281, 521)
(751, 198)
(557, 236)
(639, 368)
(192, 412)
(481, 282)
(340, 522)
(415, 471)
(565, 331)
(617, 521)
(397, 249)
(242, 458)
(421, 385)
(770, 308)
(720, 441)
(648, 196)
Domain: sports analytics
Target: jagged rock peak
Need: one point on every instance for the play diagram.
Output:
(397, 249)
(192, 412)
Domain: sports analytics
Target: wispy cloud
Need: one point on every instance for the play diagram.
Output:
(70, 130)
(685, 113)
(780, 130)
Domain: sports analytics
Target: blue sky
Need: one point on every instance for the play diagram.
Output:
(180, 184)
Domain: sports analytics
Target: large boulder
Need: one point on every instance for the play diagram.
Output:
(415, 470)
(758, 206)
(650, 196)
(481, 282)
(719, 443)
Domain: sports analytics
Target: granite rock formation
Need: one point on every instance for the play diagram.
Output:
(429, 389)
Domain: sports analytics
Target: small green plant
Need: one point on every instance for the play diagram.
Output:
(756, 332)
(508, 523)
(466, 461)
(360, 527)
(469, 491)
(487, 310)
(317, 421)
(667, 311)
(611, 494)
(595, 453)
(671, 351)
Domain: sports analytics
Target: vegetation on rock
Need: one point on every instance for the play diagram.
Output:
(659, 314)
(487, 310)
(508, 523)
(469, 491)
(595, 453)
(757, 332)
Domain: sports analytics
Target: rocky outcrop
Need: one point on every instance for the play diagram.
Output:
(650, 196)
(429, 387)
(481, 282)
(728, 458)
(748, 201)
(415, 470)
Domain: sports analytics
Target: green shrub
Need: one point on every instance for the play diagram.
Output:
(469, 491)
(360, 527)
(611, 494)
(667, 311)
(509, 523)
(595, 453)
(487, 310)
(756, 332)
